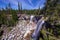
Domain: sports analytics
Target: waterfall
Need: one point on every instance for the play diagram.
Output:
(38, 28)
(31, 17)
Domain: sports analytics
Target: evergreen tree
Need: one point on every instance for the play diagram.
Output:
(9, 8)
(39, 11)
(19, 7)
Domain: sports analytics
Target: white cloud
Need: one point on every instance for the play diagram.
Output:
(13, 2)
(30, 1)
(39, 4)
(10, 1)
(25, 4)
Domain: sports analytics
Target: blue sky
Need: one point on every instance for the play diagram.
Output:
(26, 4)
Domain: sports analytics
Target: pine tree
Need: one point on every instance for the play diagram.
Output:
(39, 11)
(9, 8)
(19, 7)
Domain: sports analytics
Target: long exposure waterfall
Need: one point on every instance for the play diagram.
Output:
(37, 30)
(31, 17)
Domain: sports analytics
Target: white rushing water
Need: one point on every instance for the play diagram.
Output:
(31, 17)
(38, 28)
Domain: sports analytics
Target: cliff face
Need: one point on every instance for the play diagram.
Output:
(17, 32)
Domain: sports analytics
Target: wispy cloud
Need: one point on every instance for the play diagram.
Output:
(39, 4)
(10, 1)
(26, 4)
(13, 2)
(30, 1)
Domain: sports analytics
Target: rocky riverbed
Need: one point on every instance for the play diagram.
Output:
(17, 32)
